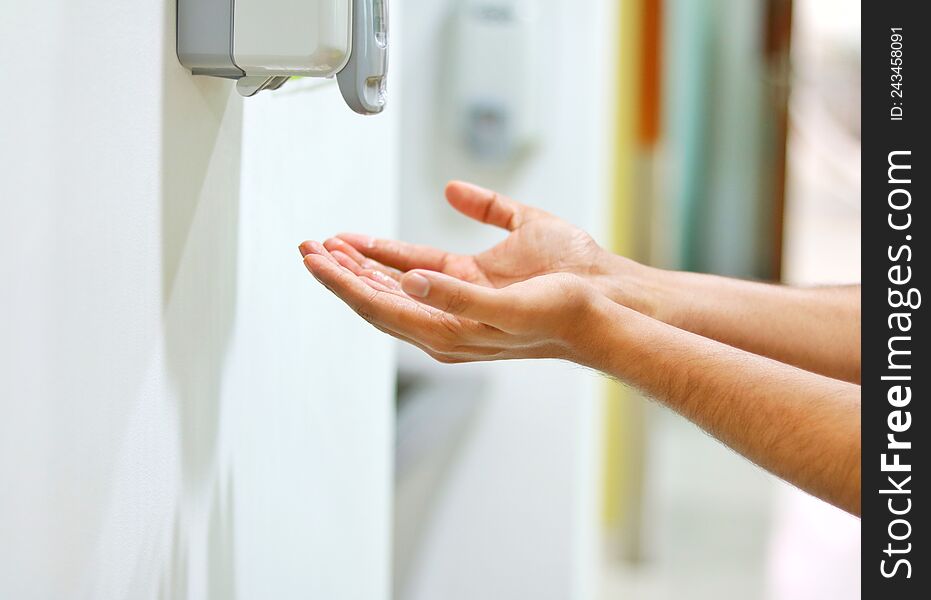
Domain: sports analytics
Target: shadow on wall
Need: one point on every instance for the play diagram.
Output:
(200, 158)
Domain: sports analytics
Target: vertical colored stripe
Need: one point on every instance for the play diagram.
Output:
(616, 474)
(651, 47)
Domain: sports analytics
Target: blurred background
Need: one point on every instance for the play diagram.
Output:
(184, 414)
(709, 135)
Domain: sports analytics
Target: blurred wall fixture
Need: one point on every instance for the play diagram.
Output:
(263, 43)
(494, 75)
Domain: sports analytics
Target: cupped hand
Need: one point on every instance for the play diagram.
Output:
(523, 298)
(454, 320)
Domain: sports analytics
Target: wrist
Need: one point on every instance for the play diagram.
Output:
(644, 289)
(591, 340)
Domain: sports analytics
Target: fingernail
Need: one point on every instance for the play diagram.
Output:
(416, 285)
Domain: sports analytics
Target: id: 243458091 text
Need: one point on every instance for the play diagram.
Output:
(896, 82)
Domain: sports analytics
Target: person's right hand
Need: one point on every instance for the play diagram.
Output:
(539, 243)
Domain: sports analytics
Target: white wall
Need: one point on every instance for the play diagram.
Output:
(184, 413)
(516, 516)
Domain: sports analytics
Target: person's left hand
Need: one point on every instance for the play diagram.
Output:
(456, 321)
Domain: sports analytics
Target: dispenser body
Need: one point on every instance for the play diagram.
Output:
(264, 38)
(263, 43)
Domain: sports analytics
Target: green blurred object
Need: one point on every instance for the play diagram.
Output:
(721, 140)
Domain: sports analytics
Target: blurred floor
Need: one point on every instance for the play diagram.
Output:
(706, 521)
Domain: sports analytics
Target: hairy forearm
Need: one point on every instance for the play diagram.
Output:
(816, 329)
(798, 425)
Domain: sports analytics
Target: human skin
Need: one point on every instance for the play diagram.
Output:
(769, 370)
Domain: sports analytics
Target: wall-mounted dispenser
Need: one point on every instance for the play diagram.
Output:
(494, 84)
(263, 43)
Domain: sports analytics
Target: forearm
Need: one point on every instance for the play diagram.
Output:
(817, 329)
(800, 426)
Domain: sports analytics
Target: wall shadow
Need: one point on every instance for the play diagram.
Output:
(200, 161)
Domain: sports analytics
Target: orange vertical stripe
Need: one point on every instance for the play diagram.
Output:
(651, 44)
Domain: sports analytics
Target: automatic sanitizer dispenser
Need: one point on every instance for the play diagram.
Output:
(263, 43)
(494, 88)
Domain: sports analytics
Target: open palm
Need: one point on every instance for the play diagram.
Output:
(539, 243)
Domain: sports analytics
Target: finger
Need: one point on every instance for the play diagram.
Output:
(394, 311)
(406, 340)
(314, 247)
(487, 206)
(399, 336)
(344, 260)
(451, 352)
(336, 244)
(459, 354)
(457, 297)
(385, 281)
(388, 283)
(375, 284)
(400, 255)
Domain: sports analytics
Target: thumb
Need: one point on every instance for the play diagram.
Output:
(486, 206)
(457, 297)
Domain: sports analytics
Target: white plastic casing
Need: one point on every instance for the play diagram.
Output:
(292, 37)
